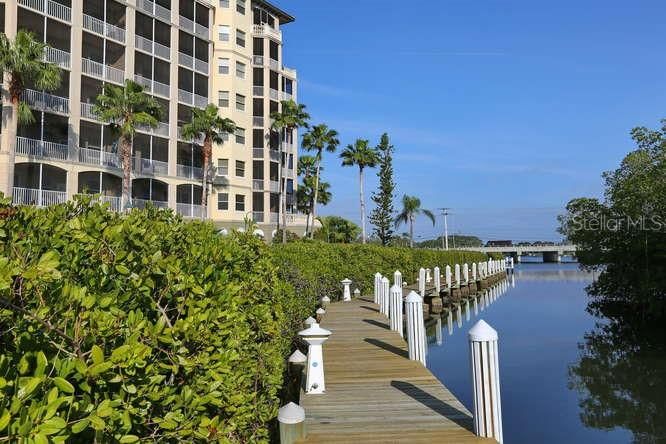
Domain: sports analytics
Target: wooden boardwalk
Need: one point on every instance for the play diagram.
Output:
(374, 393)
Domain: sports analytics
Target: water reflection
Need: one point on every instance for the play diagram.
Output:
(621, 373)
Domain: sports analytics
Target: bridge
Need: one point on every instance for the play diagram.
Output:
(551, 253)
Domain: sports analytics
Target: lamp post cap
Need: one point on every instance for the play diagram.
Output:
(297, 357)
(326, 299)
(357, 291)
(346, 281)
(291, 414)
(310, 320)
(314, 331)
(482, 331)
(320, 311)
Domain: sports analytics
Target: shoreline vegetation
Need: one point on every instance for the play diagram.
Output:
(123, 327)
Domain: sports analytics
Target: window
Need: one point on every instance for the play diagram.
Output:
(240, 38)
(224, 3)
(223, 65)
(223, 99)
(222, 201)
(240, 70)
(222, 167)
(240, 136)
(223, 33)
(240, 6)
(240, 202)
(240, 168)
(240, 102)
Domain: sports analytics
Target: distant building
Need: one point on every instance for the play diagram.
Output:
(499, 243)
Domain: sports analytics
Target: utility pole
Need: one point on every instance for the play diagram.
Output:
(445, 239)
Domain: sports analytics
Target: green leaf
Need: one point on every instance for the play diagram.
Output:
(52, 426)
(120, 268)
(29, 386)
(41, 363)
(40, 439)
(4, 419)
(80, 426)
(129, 439)
(104, 409)
(97, 422)
(97, 369)
(97, 355)
(63, 384)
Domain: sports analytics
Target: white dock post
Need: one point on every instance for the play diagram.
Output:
(384, 304)
(467, 310)
(457, 275)
(415, 327)
(395, 309)
(325, 301)
(309, 321)
(346, 292)
(483, 347)
(296, 362)
(397, 278)
(357, 293)
(315, 336)
(476, 306)
(459, 315)
(320, 314)
(474, 271)
(466, 273)
(447, 276)
(428, 276)
(422, 282)
(490, 267)
(378, 283)
(292, 423)
(438, 281)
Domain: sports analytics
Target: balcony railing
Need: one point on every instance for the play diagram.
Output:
(258, 216)
(154, 9)
(274, 217)
(274, 155)
(266, 31)
(258, 121)
(104, 159)
(289, 72)
(193, 63)
(102, 28)
(289, 172)
(40, 148)
(189, 98)
(87, 111)
(58, 57)
(258, 60)
(286, 96)
(274, 186)
(195, 28)
(191, 210)
(258, 91)
(153, 86)
(189, 172)
(45, 102)
(152, 47)
(115, 202)
(274, 64)
(257, 153)
(198, 141)
(50, 8)
(274, 94)
(102, 71)
(149, 167)
(143, 203)
(162, 129)
(258, 184)
(41, 198)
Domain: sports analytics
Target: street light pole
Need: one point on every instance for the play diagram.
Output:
(445, 239)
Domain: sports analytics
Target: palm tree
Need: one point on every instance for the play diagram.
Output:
(305, 198)
(411, 207)
(207, 124)
(318, 139)
(126, 109)
(307, 168)
(293, 116)
(23, 63)
(362, 155)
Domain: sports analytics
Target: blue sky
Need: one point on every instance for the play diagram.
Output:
(502, 110)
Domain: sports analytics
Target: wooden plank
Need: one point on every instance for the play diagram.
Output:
(374, 393)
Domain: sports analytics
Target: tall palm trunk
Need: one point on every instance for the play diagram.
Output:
(362, 204)
(411, 231)
(283, 191)
(207, 153)
(126, 159)
(12, 132)
(313, 205)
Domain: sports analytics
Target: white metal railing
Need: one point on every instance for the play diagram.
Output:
(274, 186)
(274, 217)
(185, 60)
(257, 153)
(198, 140)
(41, 198)
(50, 8)
(266, 31)
(289, 172)
(274, 94)
(152, 47)
(41, 148)
(87, 111)
(274, 155)
(142, 203)
(202, 31)
(258, 184)
(115, 202)
(274, 64)
(58, 57)
(186, 23)
(100, 27)
(200, 101)
(161, 129)
(258, 60)
(102, 71)
(258, 91)
(161, 50)
(185, 96)
(289, 72)
(154, 9)
(258, 216)
(153, 86)
(105, 159)
(200, 66)
(191, 210)
(150, 167)
(45, 102)
(189, 172)
(258, 121)
(286, 96)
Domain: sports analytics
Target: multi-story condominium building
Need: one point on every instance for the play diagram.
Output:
(187, 53)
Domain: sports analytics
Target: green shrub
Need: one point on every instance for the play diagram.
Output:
(315, 269)
(137, 327)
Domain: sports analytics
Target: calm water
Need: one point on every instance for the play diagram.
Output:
(541, 321)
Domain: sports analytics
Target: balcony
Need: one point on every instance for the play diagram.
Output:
(154, 9)
(41, 198)
(102, 72)
(258, 121)
(194, 28)
(45, 102)
(258, 60)
(258, 91)
(286, 96)
(87, 111)
(151, 47)
(198, 141)
(115, 202)
(274, 186)
(189, 172)
(274, 217)
(266, 31)
(274, 155)
(98, 157)
(58, 57)
(193, 63)
(289, 72)
(274, 94)
(149, 167)
(40, 148)
(143, 203)
(50, 8)
(258, 184)
(289, 172)
(258, 216)
(191, 210)
(257, 153)
(153, 86)
(192, 99)
(102, 28)
(162, 129)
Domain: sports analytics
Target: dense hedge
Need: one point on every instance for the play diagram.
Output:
(142, 327)
(315, 269)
